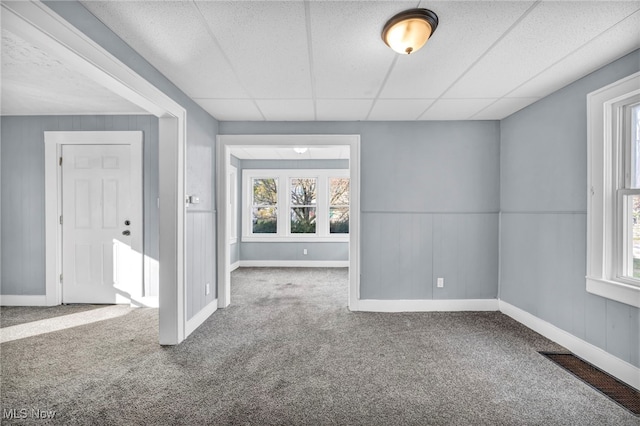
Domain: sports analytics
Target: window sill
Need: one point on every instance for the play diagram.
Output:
(620, 292)
(292, 239)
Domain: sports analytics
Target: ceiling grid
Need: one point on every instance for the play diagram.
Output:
(306, 60)
(495, 43)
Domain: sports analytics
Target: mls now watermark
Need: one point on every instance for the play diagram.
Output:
(27, 413)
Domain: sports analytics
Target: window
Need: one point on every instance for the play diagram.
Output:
(310, 205)
(303, 205)
(264, 213)
(613, 209)
(339, 205)
(629, 195)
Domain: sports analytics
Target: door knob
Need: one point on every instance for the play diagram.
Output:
(127, 222)
(127, 232)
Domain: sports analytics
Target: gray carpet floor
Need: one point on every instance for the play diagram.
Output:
(17, 315)
(288, 352)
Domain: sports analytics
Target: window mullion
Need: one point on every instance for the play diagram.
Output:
(322, 209)
(284, 188)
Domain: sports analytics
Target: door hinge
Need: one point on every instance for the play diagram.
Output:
(60, 162)
(60, 277)
(60, 219)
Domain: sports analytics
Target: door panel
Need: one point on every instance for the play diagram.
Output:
(101, 257)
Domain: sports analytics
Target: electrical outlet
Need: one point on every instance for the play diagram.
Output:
(440, 282)
(304, 251)
(207, 289)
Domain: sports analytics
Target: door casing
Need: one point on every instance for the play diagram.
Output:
(223, 158)
(54, 141)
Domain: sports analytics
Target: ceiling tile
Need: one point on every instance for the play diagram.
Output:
(399, 109)
(342, 109)
(173, 38)
(625, 36)
(430, 71)
(455, 109)
(349, 57)
(286, 109)
(231, 109)
(334, 152)
(550, 32)
(266, 43)
(266, 153)
(503, 108)
(275, 152)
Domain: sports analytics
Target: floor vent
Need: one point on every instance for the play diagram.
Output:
(621, 393)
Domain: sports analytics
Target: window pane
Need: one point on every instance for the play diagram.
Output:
(265, 192)
(339, 220)
(303, 192)
(265, 220)
(633, 236)
(303, 220)
(634, 180)
(339, 191)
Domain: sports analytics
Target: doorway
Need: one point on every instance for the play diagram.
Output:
(225, 145)
(98, 191)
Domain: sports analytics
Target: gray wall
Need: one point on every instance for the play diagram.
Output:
(22, 193)
(543, 226)
(200, 218)
(429, 204)
(321, 251)
(201, 134)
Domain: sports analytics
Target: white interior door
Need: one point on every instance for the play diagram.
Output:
(101, 225)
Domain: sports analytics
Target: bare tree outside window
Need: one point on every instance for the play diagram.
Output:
(339, 205)
(265, 206)
(303, 205)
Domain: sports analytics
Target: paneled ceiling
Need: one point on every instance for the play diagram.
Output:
(276, 152)
(324, 60)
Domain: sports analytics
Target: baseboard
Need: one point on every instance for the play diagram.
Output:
(294, 263)
(613, 365)
(427, 305)
(234, 266)
(23, 300)
(200, 317)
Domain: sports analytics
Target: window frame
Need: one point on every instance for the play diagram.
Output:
(283, 233)
(232, 201)
(338, 206)
(292, 206)
(250, 204)
(622, 118)
(607, 181)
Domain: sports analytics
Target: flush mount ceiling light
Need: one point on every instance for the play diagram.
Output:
(300, 150)
(408, 31)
